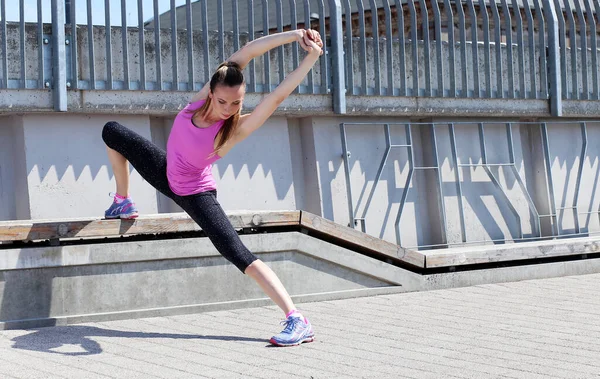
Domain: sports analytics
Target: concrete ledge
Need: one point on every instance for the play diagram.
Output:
(168, 103)
(472, 255)
(35, 230)
(87, 228)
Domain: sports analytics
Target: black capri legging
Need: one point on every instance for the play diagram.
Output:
(151, 162)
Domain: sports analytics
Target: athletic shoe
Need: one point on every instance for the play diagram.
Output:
(297, 330)
(124, 210)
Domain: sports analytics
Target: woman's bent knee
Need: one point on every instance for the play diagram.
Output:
(110, 131)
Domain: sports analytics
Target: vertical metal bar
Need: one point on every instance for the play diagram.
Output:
(463, 48)
(441, 202)
(251, 66)
(531, 43)
(411, 170)
(221, 30)
(157, 47)
(389, 48)
(415, 47)
(594, 46)
(498, 41)
(520, 47)
(280, 50)
(337, 59)
(376, 59)
(174, 47)
(543, 51)
(107, 31)
(307, 24)
(401, 47)
(205, 42)
(463, 229)
(40, 33)
(451, 47)
(325, 78)
(427, 50)
(363, 48)
(58, 55)
(573, 45)
(90, 33)
(294, 25)
(348, 49)
(495, 181)
(190, 42)
(585, 95)
(386, 154)
(584, 141)
(266, 56)
(124, 36)
(551, 198)
(23, 83)
(562, 32)
(597, 7)
(474, 49)
(554, 65)
(236, 26)
(346, 157)
(4, 82)
(486, 47)
(509, 50)
(437, 22)
(511, 154)
(140, 9)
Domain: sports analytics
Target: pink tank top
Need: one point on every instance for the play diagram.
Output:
(189, 164)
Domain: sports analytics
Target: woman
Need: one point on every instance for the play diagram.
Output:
(204, 131)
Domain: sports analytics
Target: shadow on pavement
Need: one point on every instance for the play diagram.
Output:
(48, 339)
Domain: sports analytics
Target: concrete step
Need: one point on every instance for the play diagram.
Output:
(56, 272)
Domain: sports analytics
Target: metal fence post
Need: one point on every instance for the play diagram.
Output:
(59, 59)
(337, 59)
(554, 67)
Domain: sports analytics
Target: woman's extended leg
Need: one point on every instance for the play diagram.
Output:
(271, 285)
(208, 213)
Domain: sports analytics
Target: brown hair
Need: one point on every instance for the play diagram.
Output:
(227, 74)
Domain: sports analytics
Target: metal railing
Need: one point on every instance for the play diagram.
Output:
(578, 30)
(521, 205)
(194, 31)
(504, 49)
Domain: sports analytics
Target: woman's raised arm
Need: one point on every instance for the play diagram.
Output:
(257, 48)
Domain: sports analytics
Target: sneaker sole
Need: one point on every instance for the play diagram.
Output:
(123, 217)
(306, 340)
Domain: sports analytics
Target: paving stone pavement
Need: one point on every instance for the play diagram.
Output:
(546, 328)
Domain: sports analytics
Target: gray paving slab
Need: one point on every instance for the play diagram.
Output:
(547, 328)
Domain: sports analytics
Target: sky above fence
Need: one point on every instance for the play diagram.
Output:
(30, 8)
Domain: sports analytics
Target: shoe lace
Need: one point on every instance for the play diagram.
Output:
(290, 324)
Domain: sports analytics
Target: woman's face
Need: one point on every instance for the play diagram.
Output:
(227, 101)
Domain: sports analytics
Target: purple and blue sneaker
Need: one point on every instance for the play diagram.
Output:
(297, 330)
(124, 210)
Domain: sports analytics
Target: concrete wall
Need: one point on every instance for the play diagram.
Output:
(55, 166)
(66, 167)
(58, 285)
(7, 177)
